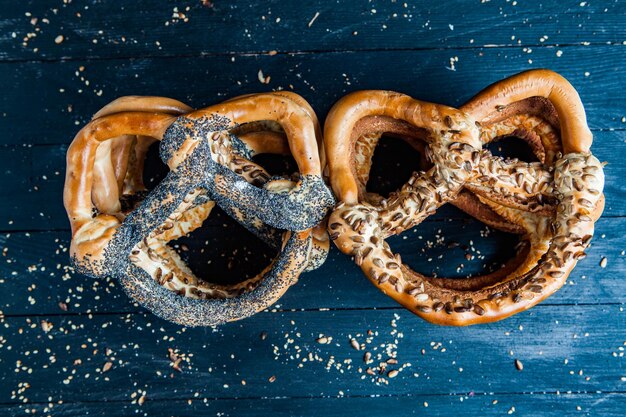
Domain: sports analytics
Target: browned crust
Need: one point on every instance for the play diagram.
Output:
(348, 111)
(297, 124)
(365, 136)
(81, 157)
(575, 134)
(519, 193)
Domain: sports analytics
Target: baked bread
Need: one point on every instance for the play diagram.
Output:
(119, 229)
(553, 203)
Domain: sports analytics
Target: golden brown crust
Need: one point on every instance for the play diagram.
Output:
(81, 156)
(554, 205)
(346, 113)
(149, 104)
(575, 134)
(112, 157)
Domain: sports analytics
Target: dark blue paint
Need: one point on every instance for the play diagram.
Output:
(571, 346)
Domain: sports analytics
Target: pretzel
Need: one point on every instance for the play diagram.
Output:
(209, 165)
(553, 203)
(262, 137)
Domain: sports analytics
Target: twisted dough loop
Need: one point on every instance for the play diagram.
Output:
(575, 134)
(209, 162)
(554, 205)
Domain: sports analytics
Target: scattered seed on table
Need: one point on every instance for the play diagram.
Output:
(355, 344)
(46, 326)
(603, 262)
(313, 19)
(519, 365)
(393, 373)
(263, 79)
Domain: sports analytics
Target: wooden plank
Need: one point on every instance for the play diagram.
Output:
(547, 405)
(63, 97)
(30, 198)
(561, 348)
(140, 28)
(36, 277)
(571, 346)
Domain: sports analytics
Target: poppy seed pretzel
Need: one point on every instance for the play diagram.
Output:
(180, 278)
(554, 205)
(268, 138)
(200, 154)
(263, 137)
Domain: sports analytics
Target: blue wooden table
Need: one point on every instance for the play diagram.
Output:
(74, 346)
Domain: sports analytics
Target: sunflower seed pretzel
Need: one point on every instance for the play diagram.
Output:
(554, 203)
(208, 165)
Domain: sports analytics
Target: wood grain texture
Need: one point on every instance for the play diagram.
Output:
(74, 346)
(562, 348)
(67, 97)
(141, 28)
(549, 405)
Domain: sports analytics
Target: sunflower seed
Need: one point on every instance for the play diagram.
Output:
(355, 344)
(479, 310)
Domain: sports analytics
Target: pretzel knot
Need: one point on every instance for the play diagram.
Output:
(121, 230)
(552, 203)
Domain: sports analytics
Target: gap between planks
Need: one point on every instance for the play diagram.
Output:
(91, 58)
(322, 397)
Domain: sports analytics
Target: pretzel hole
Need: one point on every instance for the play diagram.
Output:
(533, 120)
(392, 164)
(385, 153)
(457, 251)
(217, 245)
(277, 165)
(267, 144)
(514, 147)
(137, 181)
(193, 238)
(222, 249)
(155, 170)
